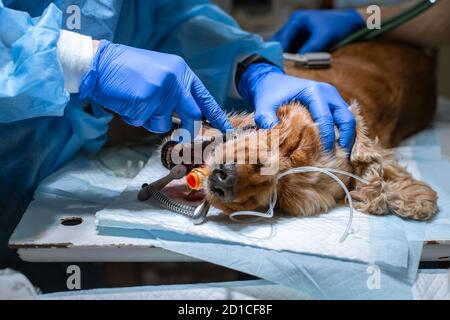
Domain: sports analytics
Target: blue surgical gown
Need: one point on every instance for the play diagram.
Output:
(42, 126)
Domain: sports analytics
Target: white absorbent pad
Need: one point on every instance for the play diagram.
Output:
(432, 284)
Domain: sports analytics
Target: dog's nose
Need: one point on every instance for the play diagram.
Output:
(222, 181)
(223, 176)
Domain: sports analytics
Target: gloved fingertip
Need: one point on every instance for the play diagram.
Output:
(272, 124)
(358, 18)
(227, 127)
(328, 140)
(303, 50)
(307, 49)
(266, 123)
(347, 145)
(328, 147)
(222, 123)
(314, 44)
(347, 133)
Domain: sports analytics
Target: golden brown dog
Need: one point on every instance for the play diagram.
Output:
(390, 188)
(393, 92)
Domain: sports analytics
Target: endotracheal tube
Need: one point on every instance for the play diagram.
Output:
(328, 171)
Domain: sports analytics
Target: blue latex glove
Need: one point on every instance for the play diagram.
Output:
(144, 87)
(266, 87)
(317, 30)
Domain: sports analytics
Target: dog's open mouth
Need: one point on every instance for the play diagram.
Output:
(178, 191)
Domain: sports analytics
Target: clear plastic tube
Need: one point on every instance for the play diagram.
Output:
(329, 172)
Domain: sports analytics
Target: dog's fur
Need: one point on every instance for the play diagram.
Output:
(390, 188)
(394, 86)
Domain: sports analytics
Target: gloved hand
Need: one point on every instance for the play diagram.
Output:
(144, 87)
(317, 30)
(266, 87)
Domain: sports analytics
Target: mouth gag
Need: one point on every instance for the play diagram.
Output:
(153, 190)
(194, 179)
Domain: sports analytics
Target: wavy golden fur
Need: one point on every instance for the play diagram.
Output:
(390, 188)
(394, 86)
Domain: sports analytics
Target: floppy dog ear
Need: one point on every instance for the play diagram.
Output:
(390, 188)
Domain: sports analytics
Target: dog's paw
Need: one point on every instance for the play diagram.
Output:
(416, 201)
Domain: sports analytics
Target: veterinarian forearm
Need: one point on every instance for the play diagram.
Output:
(429, 29)
(144, 87)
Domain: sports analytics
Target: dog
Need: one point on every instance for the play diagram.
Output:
(234, 186)
(391, 89)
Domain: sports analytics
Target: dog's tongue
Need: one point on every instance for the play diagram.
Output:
(195, 195)
(177, 190)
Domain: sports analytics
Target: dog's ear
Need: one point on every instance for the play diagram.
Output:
(390, 188)
(299, 137)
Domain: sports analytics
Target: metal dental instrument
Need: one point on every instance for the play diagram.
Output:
(201, 212)
(312, 60)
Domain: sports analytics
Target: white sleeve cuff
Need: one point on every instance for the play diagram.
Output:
(75, 53)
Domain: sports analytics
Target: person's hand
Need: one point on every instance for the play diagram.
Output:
(144, 87)
(317, 30)
(266, 87)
